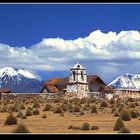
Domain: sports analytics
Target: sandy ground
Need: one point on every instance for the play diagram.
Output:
(54, 123)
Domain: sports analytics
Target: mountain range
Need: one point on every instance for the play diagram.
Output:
(23, 81)
(126, 81)
(19, 80)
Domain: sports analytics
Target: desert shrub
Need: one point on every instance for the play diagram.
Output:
(126, 103)
(121, 107)
(116, 114)
(101, 109)
(94, 109)
(136, 104)
(83, 101)
(112, 101)
(47, 107)
(97, 103)
(57, 109)
(124, 130)
(31, 101)
(22, 106)
(28, 112)
(16, 107)
(52, 109)
(112, 106)
(70, 127)
(11, 120)
(65, 101)
(119, 124)
(78, 104)
(0, 102)
(131, 99)
(118, 104)
(19, 114)
(125, 114)
(118, 100)
(24, 117)
(94, 127)
(93, 100)
(56, 100)
(81, 113)
(16, 110)
(85, 126)
(21, 128)
(86, 106)
(132, 105)
(134, 113)
(70, 101)
(76, 108)
(44, 115)
(64, 107)
(29, 108)
(27, 102)
(70, 108)
(11, 108)
(36, 105)
(104, 103)
(5, 102)
(113, 110)
(4, 108)
(75, 100)
(36, 112)
(62, 114)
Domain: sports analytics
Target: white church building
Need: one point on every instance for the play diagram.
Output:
(77, 84)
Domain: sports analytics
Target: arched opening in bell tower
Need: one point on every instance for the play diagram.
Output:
(82, 75)
(73, 72)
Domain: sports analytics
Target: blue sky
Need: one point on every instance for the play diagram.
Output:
(26, 25)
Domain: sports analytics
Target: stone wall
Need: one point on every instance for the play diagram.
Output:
(125, 94)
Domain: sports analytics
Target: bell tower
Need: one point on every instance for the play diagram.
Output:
(78, 81)
(77, 74)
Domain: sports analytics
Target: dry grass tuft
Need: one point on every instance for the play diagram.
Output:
(125, 114)
(85, 126)
(11, 120)
(119, 124)
(21, 128)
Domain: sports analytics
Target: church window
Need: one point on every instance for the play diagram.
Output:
(73, 72)
(82, 75)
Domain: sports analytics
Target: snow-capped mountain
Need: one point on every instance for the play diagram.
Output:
(19, 80)
(128, 80)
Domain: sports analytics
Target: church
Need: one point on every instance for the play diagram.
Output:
(77, 84)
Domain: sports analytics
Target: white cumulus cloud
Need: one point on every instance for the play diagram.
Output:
(101, 53)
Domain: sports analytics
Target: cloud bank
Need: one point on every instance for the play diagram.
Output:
(101, 53)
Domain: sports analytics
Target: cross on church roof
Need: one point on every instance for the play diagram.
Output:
(77, 62)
